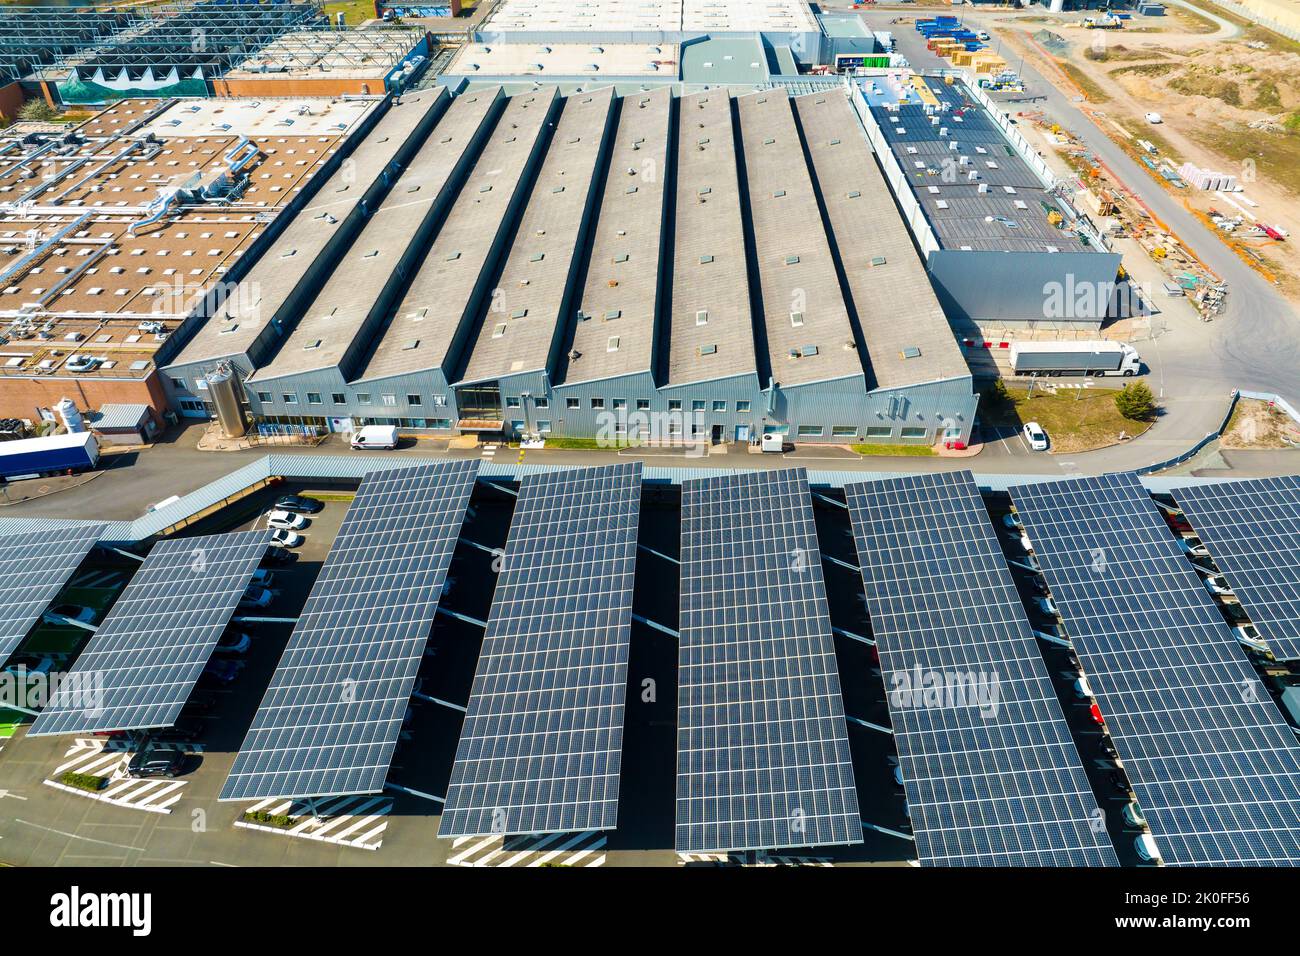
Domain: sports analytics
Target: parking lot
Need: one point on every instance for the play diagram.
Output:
(181, 821)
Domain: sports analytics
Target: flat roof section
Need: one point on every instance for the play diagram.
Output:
(330, 325)
(536, 276)
(809, 337)
(585, 16)
(614, 334)
(712, 330)
(565, 59)
(434, 305)
(996, 203)
(272, 281)
(724, 61)
(896, 307)
(259, 118)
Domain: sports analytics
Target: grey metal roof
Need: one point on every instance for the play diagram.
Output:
(614, 333)
(709, 269)
(434, 305)
(303, 466)
(330, 324)
(724, 61)
(809, 337)
(533, 283)
(118, 416)
(949, 154)
(273, 278)
(896, 306)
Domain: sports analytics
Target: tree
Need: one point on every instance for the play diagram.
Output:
(1136, 403)
(38, 111)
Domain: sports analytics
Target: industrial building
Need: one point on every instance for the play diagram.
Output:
(79, 55)
(625, 265)
(1003, 245)
(787, 22)
(114, 233)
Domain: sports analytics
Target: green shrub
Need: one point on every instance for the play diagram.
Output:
(282, 820)
(83, 781)
(38, 111)
(1136, 403)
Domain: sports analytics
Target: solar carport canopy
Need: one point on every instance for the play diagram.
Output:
(34, 567)
(762, 746)
(1215, 768)
(330, 720)
(991, 772)
(1252, 530)
(140, 667)
(542, 742)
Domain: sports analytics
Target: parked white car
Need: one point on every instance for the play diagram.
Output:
(285, 520)
(284, 538)
(1035, 437)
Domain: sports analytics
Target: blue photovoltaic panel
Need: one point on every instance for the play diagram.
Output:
(992, 775)
(1215, 769)
(1252, 530)
(542, 742)
(34, 566)
(142, 663)
(762, 747)
(329, 722)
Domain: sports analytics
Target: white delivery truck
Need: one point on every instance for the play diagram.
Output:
(375, 436)
(1075, 358)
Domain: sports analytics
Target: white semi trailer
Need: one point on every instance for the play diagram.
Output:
(1075, 358)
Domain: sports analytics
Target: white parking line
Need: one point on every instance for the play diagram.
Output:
(568, 849)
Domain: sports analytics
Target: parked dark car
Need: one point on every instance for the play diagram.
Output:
(156, 759)
(299, 503)
(220, 672)
(200, 703)
(277, 556)
(185, 729)
(233, 642)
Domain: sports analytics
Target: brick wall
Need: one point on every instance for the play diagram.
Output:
(20, 397)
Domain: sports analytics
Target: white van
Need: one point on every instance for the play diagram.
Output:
(375, 436)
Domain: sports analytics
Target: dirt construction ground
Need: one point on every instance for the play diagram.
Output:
(1229, 96)
(1257, 424)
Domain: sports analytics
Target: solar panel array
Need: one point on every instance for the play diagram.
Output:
(762, 746)
(1252, 530)
(142, 663)
(991, 772)
(34, 567)
(542, 742)
(330, 720)
(1215, 769)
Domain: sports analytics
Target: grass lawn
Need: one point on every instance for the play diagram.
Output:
(10, 721)
(1075, 419)
(904, 451)
(589, 444)
(355, 12)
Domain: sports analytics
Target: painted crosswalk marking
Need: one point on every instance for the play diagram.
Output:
(347, 821)
(559, 849)
(108, 759)
(740, 859)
